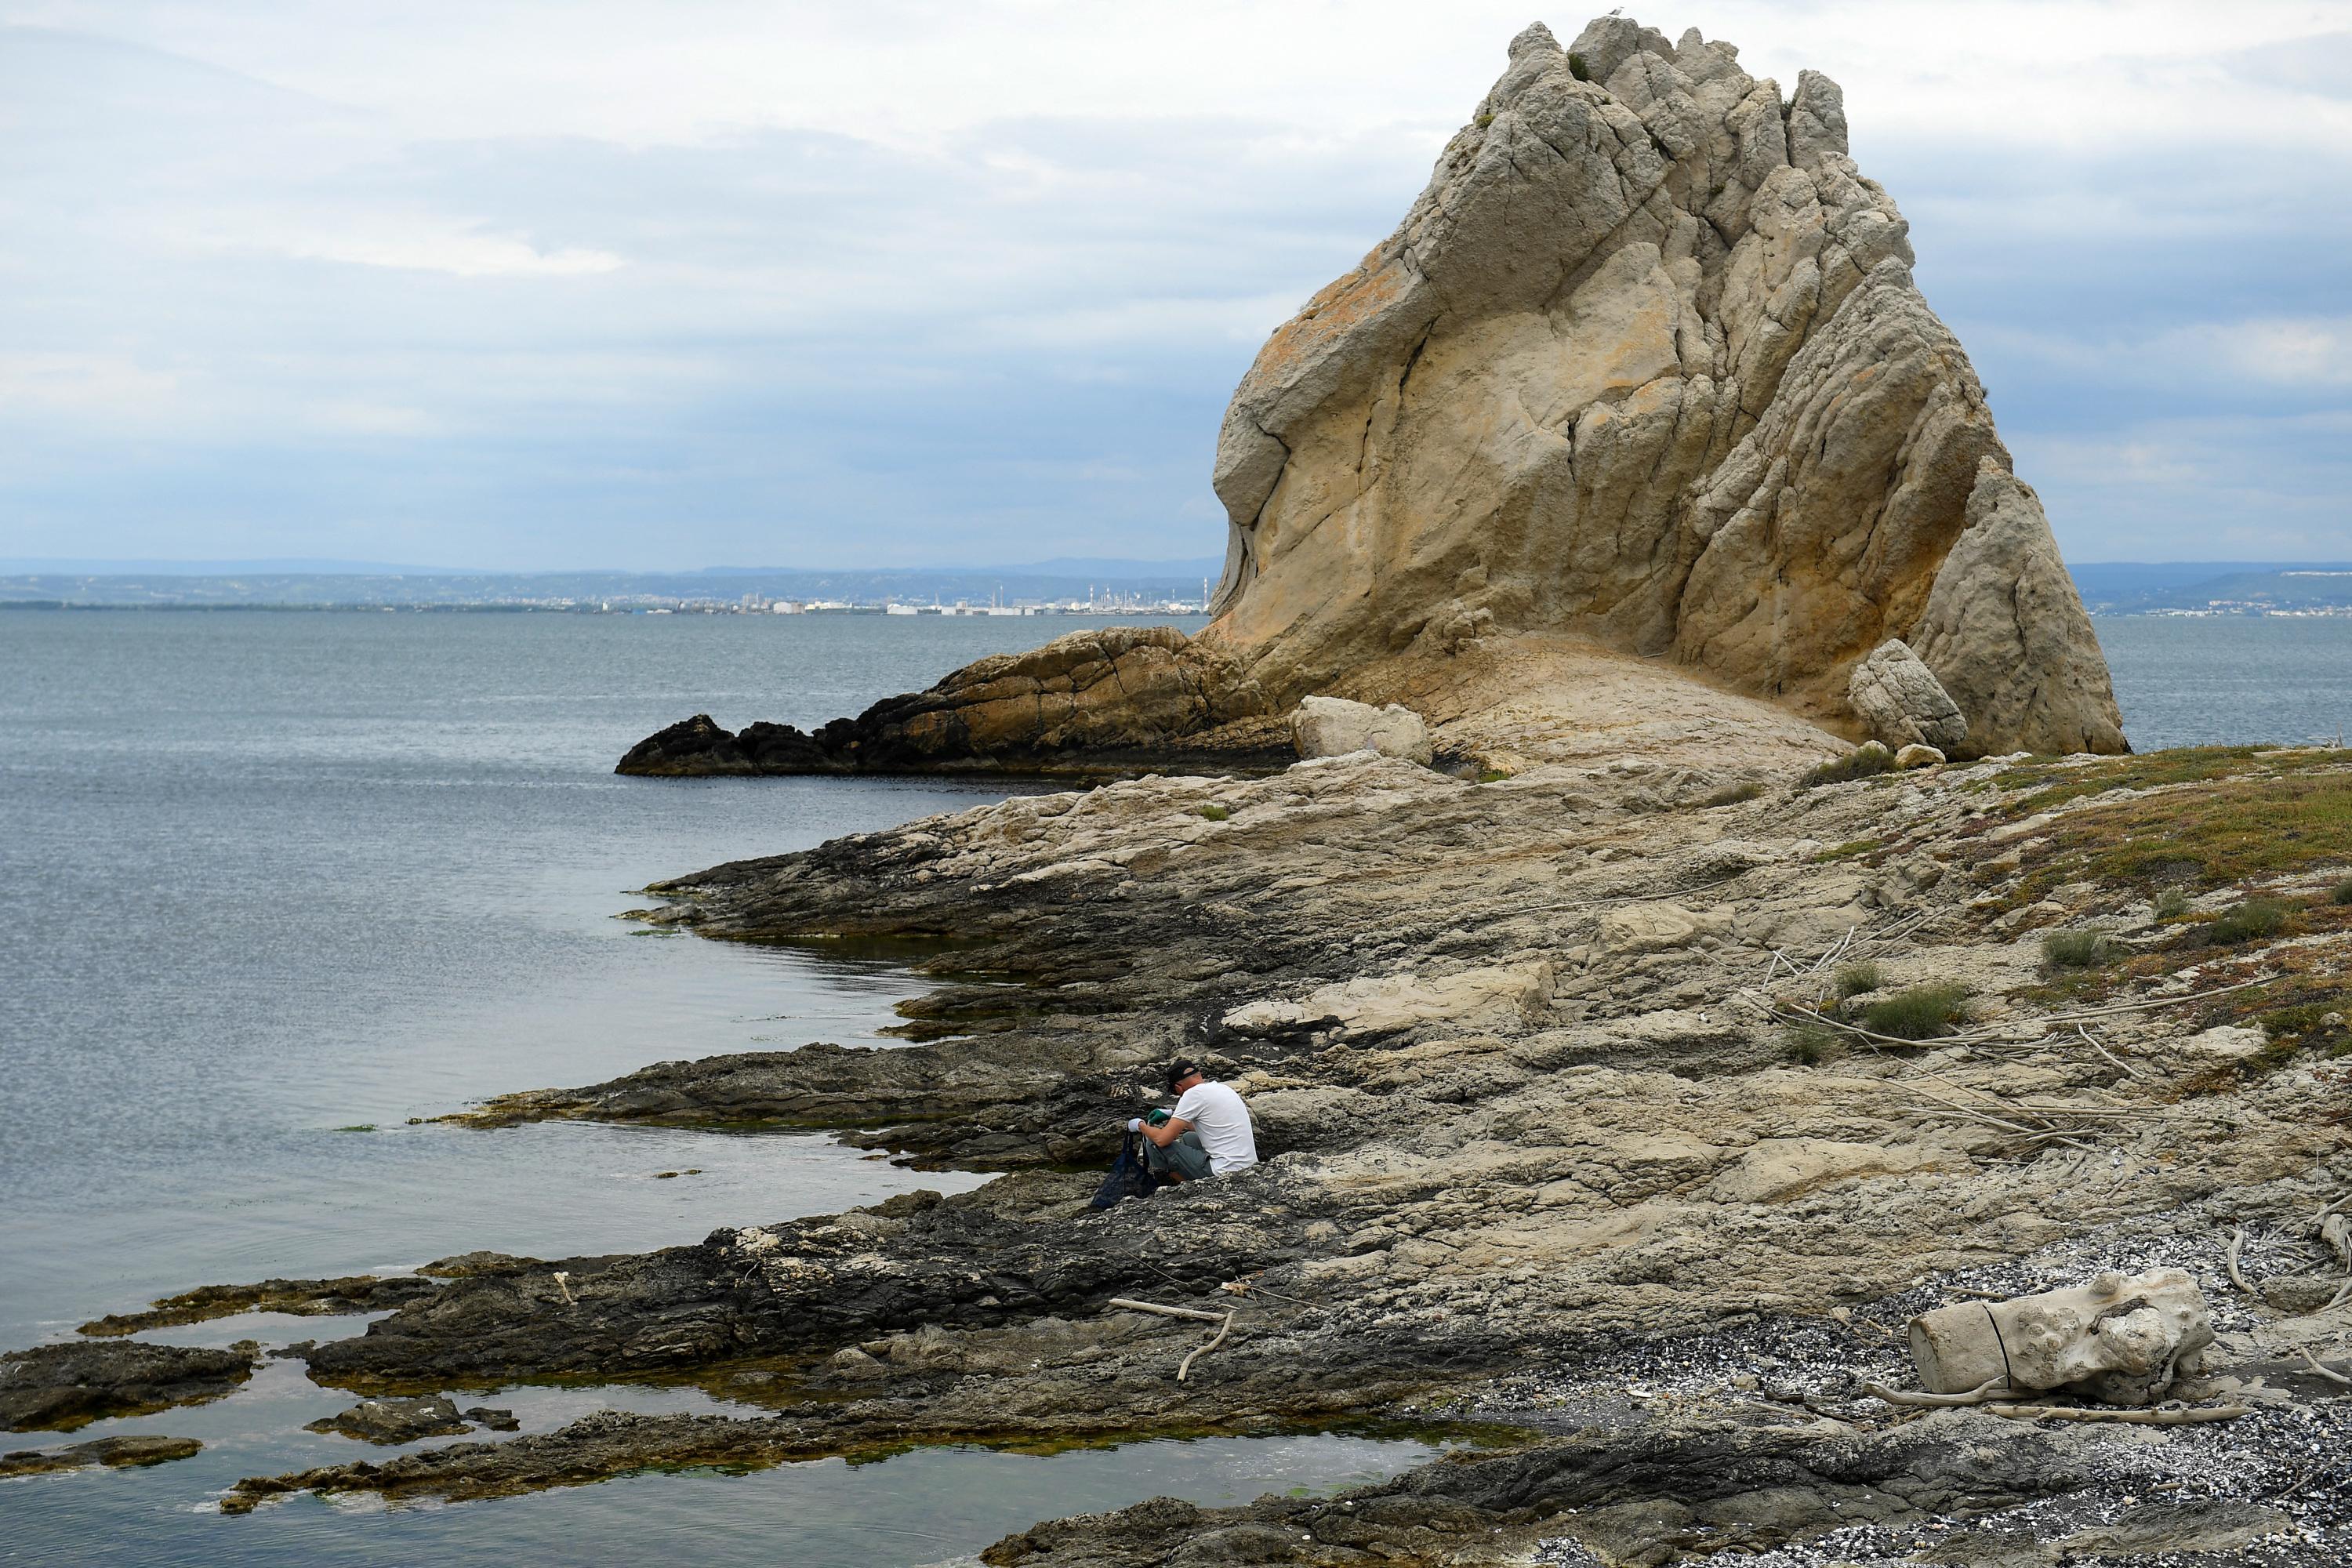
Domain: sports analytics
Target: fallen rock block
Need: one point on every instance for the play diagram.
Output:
(1332, 727)
(2120, 1340)
(1902, 702)
(1918, 757)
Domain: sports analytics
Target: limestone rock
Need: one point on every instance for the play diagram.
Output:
(1390, 1002)
(1332, 726)
(1918, 757)
(1654, 928)
(1900, 701)
(2005, 632)
(2120, 1339)
(1646, 360)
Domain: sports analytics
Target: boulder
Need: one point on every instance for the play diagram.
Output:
(1332, 727)
(2120, 1340)
(1900, 701)
(1918, 757)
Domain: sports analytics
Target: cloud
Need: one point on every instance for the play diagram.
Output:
(458, 255)
(542, 284)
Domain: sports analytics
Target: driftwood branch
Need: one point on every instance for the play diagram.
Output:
(1194, 1313)
(1995, 1389)
(2192, 1416)
(1225, 1321)
(1186, 1364)
(2313, 1361)
(2229, 1259)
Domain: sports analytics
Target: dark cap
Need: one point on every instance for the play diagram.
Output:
(1182, 1069)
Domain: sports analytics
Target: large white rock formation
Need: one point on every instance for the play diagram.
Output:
(1646, 362)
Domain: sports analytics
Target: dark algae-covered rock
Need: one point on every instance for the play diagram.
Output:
(56, 1388)
(303, 1298)
(392, 1419)
(1115, 701)
(113, 1453)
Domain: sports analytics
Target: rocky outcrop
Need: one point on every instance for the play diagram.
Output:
(58, 1388)
(1646, 360)
(1108, 701)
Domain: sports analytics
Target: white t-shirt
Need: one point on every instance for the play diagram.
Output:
(1218, 1114)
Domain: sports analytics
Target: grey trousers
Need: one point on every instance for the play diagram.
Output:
(1184, 1159)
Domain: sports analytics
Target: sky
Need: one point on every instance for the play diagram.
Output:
(521, 286)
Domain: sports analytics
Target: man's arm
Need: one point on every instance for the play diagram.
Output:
(1167, 1131)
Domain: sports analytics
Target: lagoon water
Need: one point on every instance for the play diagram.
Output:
(276, 877)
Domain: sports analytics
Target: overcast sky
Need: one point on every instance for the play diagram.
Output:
(694, 283)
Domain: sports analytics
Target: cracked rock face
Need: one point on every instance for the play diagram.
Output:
(1645, 361)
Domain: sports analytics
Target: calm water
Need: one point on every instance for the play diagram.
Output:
(274, 875)
(2183, 682)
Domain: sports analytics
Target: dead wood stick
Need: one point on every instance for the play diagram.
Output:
(2229, 1261)
(1192, 1312)
(1186, 1364)
(2195, 1415)
(1993, 1388)
(2088, 1039)
(2313, 1361)
(2157, 1002)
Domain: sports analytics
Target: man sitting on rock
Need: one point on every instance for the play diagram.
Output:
(1207, 1134)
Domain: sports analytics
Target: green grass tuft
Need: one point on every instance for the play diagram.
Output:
(1732, 795)
(1853, 979)
(2075, 949)
(1861, 762)
(1578, 69)
(1810, 1045)
(2341, 893)
(2250, 921)
(1921, 1012)
(2172, 903)
(1215, 812)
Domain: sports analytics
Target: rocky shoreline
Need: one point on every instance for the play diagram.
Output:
(1556, 1145)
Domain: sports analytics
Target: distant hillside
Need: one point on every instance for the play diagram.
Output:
(2240, 587)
